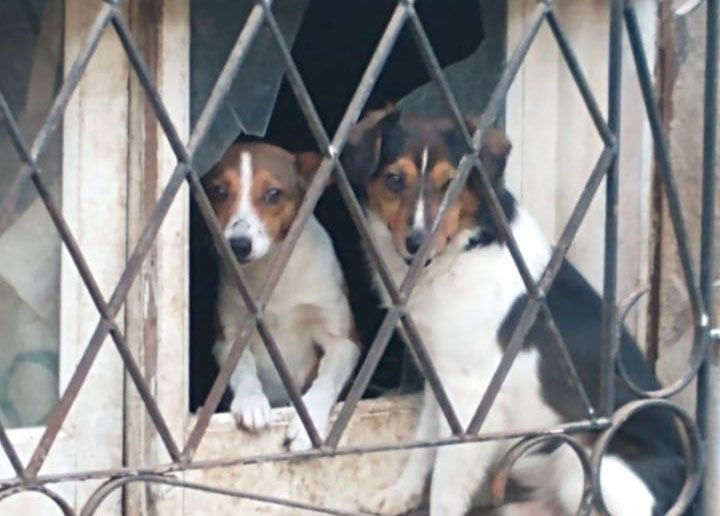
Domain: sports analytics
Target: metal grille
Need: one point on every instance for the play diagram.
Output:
(599, 419)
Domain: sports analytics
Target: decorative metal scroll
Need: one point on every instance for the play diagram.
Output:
(601, 418)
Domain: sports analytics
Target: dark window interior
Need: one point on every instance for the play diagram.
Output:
(332, 47)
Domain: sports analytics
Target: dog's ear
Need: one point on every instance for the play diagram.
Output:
(361, 154)
(307, 164)
(493, 155)
(453, 137)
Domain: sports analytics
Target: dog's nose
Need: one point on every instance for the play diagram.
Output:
(413, 241)
(241, 246)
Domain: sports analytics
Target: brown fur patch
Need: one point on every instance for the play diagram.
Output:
(230, 180)
(278, 216)
(396, 208)
(273, 168)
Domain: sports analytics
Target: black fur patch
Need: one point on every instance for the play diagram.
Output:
(648, 442)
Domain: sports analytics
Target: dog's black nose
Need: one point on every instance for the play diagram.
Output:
(413, 241)
(241, 246)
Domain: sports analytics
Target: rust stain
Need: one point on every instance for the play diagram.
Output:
(666, 74)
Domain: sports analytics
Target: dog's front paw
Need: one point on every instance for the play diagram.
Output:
(297, 439)
(396, 499)
(251, 411)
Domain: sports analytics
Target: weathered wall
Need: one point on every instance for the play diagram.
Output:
(685, 134)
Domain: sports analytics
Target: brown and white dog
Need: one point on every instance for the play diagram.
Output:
(256, 190)
(466, 303)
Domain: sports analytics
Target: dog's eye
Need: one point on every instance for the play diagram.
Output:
(271, 196)
(218, 192)
(395, 182)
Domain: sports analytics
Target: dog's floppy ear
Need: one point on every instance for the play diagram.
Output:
(361, 154)
(307, 164)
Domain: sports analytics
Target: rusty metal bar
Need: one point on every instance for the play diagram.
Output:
(522, 447)
(692, 449)
(332, 148)
(308, 108)
(312, 195)
(567, 428)
(137, 62)
(662, 152)
(493, 108)
(527, 318)
(463, 170)
(142, 247)
(111, 485)
(56, 111)
(581, 82)
(432, 65)
(92, 287)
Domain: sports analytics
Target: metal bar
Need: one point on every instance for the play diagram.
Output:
(493, 108)
(298, 85)
(58, 500)
(573, 65)
(431, 374)
(312, 195)
(362, 379)
(42, 139)
(117, 336)
(218, 389)
(144, 243)
(568, 365)
(700, 315)
(244, 330)
(61, 408)
(378, 345)
(369, 78)
(422, 43)
(708, 387)
(689, 437)
(111, 485)
(521, 448)
(610, 260)
(91, 285)
(666, 169)
(11, 453)
(323, 141)
(366, 235)
(317, 186)
(227, 77)
(286, 376)
(143, 75)
(527, 318)
(568, 428)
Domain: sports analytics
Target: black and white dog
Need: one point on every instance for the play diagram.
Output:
(466, 304)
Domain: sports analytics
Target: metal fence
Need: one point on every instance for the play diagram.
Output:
(600, 419)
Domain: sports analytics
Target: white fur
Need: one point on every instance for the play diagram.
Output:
(308, 310)
(458, 304)
(419, 215)
(245, 222)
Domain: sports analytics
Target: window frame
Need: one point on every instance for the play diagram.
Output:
(93, 167)
(157, 313)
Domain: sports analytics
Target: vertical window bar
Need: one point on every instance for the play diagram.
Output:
(609, 320)
(708, 390)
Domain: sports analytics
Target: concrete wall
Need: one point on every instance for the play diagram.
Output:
(685, 135)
